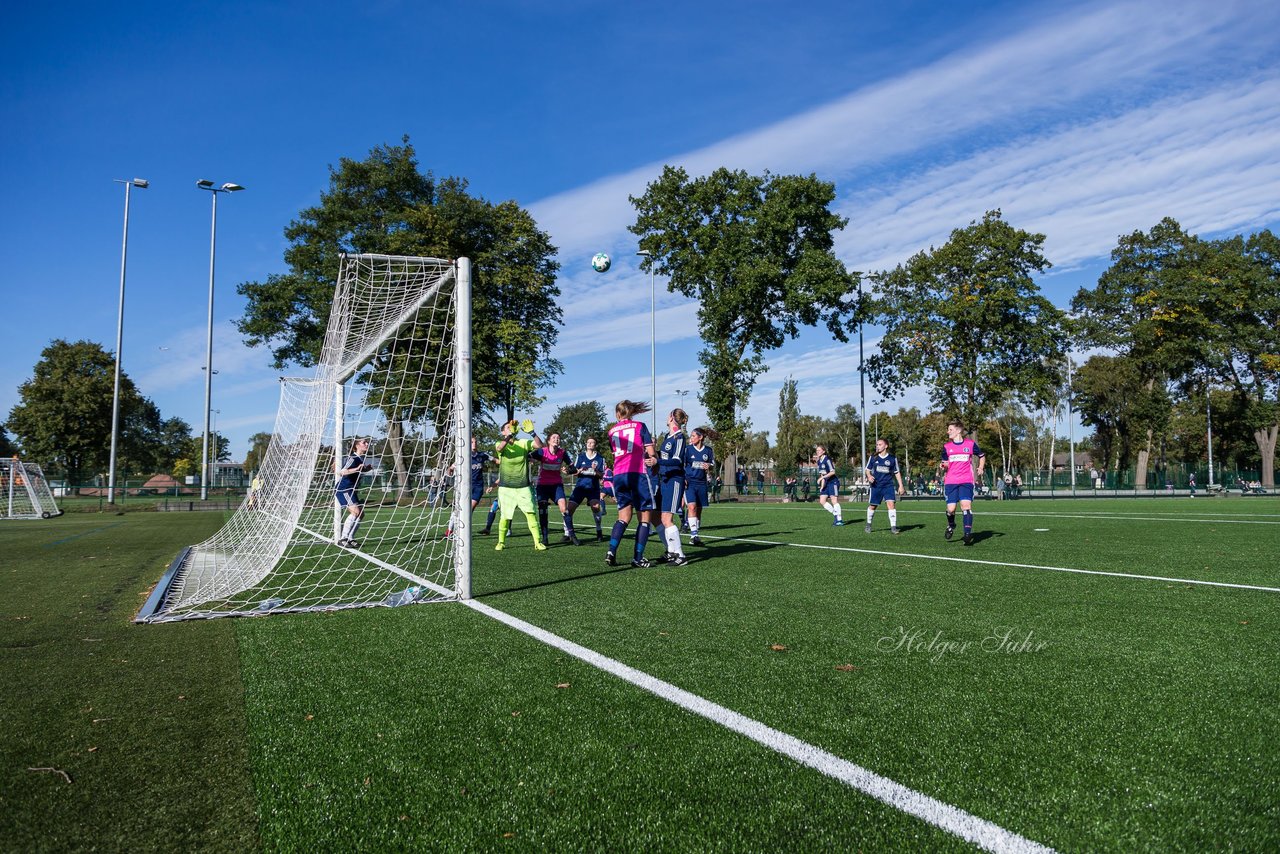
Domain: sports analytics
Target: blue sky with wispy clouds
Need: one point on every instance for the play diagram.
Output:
(1082, 121)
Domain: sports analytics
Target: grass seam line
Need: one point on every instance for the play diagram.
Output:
(1001, 563)
(1114, 518)
(978, 831)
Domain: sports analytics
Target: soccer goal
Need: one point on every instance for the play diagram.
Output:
(25, 491)
(395, 370)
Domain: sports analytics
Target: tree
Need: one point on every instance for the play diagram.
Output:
(756, 253)
(968, 321)
(64, 417)
(258, 444)
(385, 204)
(1147, 306)
(790, 448)
(905, 427)
(7, 448)
(576, 421)
(1242, 289)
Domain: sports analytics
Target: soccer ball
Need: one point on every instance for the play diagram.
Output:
(600, 262)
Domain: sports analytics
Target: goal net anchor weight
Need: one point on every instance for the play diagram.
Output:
(395, 368)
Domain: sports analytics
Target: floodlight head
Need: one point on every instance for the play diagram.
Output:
(645, 252)
(204, 184)
(140, 183)
(231, 188)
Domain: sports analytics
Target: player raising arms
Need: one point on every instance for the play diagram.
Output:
(673, 457)
(881, 472)
(958, 455)
(590, 469)
(553, 460)
(828, 484)
(513, 476)
(632, 446)
(697, 471)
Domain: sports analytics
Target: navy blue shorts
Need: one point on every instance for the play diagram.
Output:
(881, 494)
(553, 492)
(477, 492)
(633, 489)
(348, 497)
(672, 493)
(957, 492)
(696, 493)
(831, 487)
(585, 495)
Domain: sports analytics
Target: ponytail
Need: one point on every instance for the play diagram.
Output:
(627, 408)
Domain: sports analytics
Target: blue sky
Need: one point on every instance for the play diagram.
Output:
(1082, 121)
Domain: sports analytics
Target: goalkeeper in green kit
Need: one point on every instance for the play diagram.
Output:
(514, 490)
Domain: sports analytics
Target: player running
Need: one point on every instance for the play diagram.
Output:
(700, 465)
(590, 469)
(553, 461)
(513, 475)
(345, 491)
(882, 470)
(632, 446)
(958, 455)
(672, 460)
(828, 485)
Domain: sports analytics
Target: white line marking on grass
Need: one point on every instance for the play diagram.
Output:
(1114, 518)
(967, 826)
(403, 573)
(1000, 563)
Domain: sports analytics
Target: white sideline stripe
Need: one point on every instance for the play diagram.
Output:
(444, 591)
(967, 826)
(1001, 563)
(1117, 518)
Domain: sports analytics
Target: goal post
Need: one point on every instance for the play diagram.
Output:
(394, 370)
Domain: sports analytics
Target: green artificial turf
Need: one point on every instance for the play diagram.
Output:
(146, 723)
(1122, 713)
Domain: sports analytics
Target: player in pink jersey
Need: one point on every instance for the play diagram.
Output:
(958, 457)
(552, 461)
(632, 446)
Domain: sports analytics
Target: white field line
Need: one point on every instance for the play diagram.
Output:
(1110, 517)
(968, 827)
(999, 563)
(403, 573)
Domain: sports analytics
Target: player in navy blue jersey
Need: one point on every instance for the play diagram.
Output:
(479, 459)
(699, 468)
(828, 484)
(882, 473)
(348, 474)
(589, 467)
(672, 459)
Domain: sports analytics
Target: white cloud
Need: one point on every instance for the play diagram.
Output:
(1210, 161)
(1085, 127)
(1099, 53)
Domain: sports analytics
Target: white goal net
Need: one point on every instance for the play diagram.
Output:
(25, 492)
(395, 371)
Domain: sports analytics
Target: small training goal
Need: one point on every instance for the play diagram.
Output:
(395, 370)
(25, 492)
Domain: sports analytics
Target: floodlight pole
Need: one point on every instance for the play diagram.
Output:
(208, 354)
(141, 184)
(653, 341)
(1208, 419)
(1071, 427)
(862, 381)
